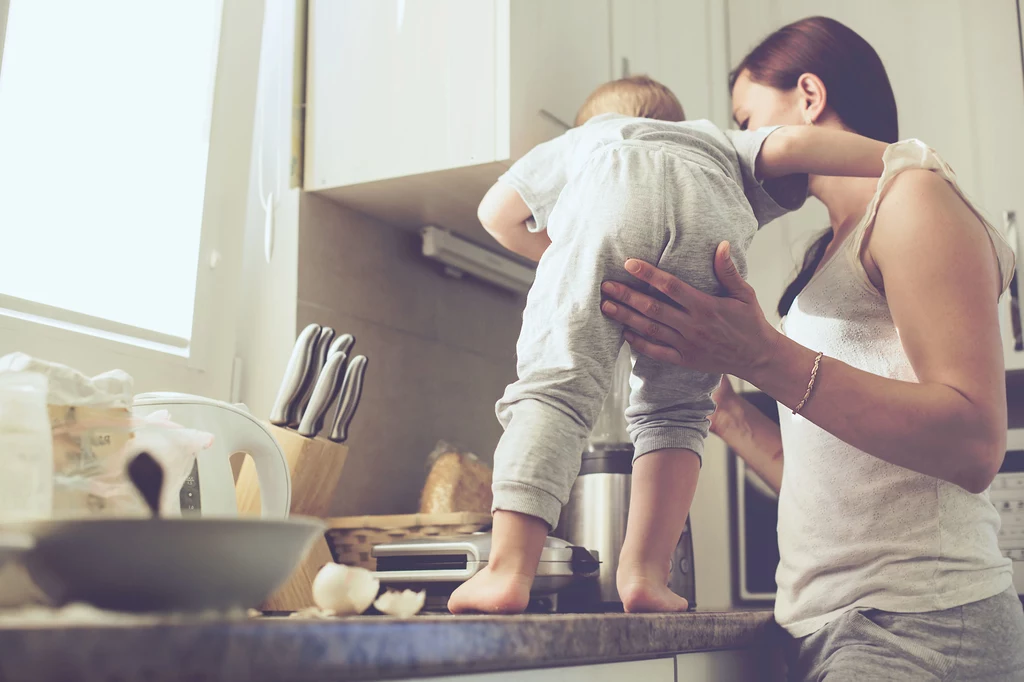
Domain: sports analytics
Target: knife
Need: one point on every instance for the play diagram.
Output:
(351, 392)
(324, 391)
(295, 375)
(320, 356)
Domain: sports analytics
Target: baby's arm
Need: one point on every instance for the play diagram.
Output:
(504, 213)
(515, 210)
(819, 151)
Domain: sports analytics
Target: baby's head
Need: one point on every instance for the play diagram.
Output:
(638, 96)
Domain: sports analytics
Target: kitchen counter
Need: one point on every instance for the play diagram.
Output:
(367, 648)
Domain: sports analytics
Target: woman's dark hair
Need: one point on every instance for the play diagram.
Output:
(856, 84)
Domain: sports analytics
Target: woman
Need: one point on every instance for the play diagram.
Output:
(889, 375)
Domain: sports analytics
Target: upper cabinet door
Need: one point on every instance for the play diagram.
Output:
(679, 44)
(559, 53)
(994, 88)
(399, 87)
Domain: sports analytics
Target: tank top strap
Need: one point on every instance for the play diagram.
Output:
(914, 154)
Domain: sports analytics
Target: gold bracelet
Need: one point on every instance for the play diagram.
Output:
(810, 384)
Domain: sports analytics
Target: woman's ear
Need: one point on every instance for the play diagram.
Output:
(813, 97)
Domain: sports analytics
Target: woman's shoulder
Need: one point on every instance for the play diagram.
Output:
(922, 205)
(917, 187)
(915, 196)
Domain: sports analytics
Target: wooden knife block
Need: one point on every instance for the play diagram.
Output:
(315, 466)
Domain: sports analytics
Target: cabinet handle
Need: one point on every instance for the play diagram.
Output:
(554, 119)
(625, 67)
(1010, 230)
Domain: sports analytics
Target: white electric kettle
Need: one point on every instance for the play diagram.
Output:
(234, 430)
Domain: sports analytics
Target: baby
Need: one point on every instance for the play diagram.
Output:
(624, 185)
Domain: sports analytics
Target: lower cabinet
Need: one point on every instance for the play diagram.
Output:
(740, 665)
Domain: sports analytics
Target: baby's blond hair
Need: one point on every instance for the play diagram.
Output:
(639, 96)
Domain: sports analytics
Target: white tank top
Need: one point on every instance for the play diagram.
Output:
(854, 530)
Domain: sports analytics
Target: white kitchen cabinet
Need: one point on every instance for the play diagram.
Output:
(680, 44)
(400, 88)
(996, 89)
(559, 53)
(739, 665)
(955, 67)
(657, 670)
(415, 106)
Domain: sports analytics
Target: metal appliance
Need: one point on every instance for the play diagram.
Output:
(598, 507)
(596, 517)
(439, 565)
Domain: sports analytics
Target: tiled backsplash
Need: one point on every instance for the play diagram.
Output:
(441, 351)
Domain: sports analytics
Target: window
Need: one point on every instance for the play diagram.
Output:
(125, 136)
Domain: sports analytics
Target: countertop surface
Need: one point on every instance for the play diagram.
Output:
(369, 648)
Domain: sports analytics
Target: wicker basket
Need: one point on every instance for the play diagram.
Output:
(351, 538)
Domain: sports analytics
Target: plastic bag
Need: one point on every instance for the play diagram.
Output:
(457, 481)
(100, 485)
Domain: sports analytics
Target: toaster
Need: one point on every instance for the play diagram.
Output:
(439, 565)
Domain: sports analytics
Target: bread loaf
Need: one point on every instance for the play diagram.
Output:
(457, 482)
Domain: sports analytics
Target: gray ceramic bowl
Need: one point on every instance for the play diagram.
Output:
(187, 564)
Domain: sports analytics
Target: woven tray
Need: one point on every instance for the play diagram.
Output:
(350, 539)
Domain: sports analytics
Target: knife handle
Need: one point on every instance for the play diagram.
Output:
(323, 345)
(342, 344)
(339, 383)
(351, 392)
(319, 359)
(294, 378)
(323, 393)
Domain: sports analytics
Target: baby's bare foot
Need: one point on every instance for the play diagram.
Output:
(492, 592)
(642, 594)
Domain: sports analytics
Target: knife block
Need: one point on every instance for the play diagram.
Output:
(315, 466)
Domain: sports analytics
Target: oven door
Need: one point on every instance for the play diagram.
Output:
(755, 520)
(756, 552)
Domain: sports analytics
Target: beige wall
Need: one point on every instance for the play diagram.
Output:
(441, 351)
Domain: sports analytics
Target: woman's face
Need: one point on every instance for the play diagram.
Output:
(755, 105)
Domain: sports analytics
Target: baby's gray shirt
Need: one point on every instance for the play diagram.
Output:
(541, 174)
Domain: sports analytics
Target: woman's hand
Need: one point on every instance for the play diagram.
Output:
(727, 335)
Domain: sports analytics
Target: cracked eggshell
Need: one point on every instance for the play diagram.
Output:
(345, 590)
(403, 604)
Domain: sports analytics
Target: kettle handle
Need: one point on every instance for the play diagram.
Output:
(271, 472)
(235, 430)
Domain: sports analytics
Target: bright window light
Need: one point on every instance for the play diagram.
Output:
(104, 132)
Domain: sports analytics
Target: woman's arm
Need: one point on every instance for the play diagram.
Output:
(503, 213)
(941, 283)
(819, 151)
(750, 434)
